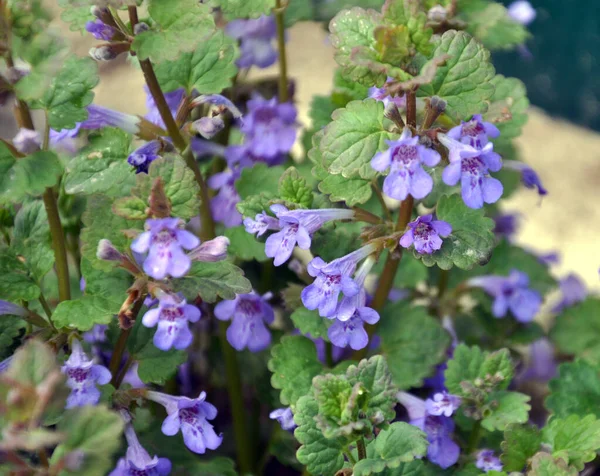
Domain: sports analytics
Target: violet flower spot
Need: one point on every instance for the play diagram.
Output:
(424, 233)
(487, 461)
(285, 417)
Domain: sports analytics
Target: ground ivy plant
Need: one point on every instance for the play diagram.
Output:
(181, 296)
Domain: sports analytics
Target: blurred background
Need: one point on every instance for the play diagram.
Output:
(560, 141)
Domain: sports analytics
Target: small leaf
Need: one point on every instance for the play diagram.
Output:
(575, 391)
(471, 241)
(574, 439)
(32, 363)
(259, 178)
(293, 188)
(243, 8)
(506, 408)
(244, 245)
(15, 282)
(464, 81)
(111, 285)
(353, 191)
(544, 464)
(520, 444)
(76, 14)
(319, 454)
(255, 204)
(508, 108)
(11, 327)
(131, 208)
(212, 280)
(294, 363)
(310, 323)
(413, 343)
(27, 176)
(83, 313)
(494, 27)
(101, 166)
(354, 136)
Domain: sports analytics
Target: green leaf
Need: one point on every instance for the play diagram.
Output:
(495, 28)
(543, 464)
(101, 166)
(321, 108)
(10, 328)
(83, 313)
(577, 330)
(356, 134)
(520, 444)
(464, 81)
(69, 92)
(155, 365)
(255, 204)
(575, 391)
(345, 91)
(468, 364)
(310, 323)
(27, 176)
(334, 240)
(31, 239)
(400, 443)
(293, 363)
(376, 380)
(261, 178)
(319, 454)
(111, 285)
(181, 26)
(219, 466)
(244, 8)
(505, 408)
(472, 239)
(179, 184)
(76, 14)
(293, 188)
(413, 343)
(209, 69)
(574, 439)
(95, 431)
(509, 95)
(212, 280)
(15, 281)
(101, 222)
(32, 363)
(353, 191)
(244, 245)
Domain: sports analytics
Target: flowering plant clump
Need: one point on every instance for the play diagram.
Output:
(180, 295)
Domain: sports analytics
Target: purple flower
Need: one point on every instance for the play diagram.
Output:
(331, 280)
(173, 99)
(137, 461)
(223, 205)
(5, 364)
(27, 141)
(143, 156)
(380, 94)
(475, 132)
(219, 104)
(100, 30)
(172, 316)
(8, 308)
(164, 241)
(425, 234)
(541, 364)
(270, 127)
(285, 417)
(573, 291)
(64, 140)
(442, 449)
(506, 225)
(297, 227)
(209, 126)
(512, 293)
(132, 377)
(522, 12)
(82, 377)
(255, 35)
(211, 251)
(191, 417)
(404, 158)
(99, 117)
(248, 314)
(472, 166)
(261, 223)
(96, 335)
(529, 177)
(442, 403)
(487, 461)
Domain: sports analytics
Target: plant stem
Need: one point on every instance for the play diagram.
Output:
(280, 22)
(351, 459)
(329, 354)
(474, 437)
(236, 400)
(120, 346)
(45, 306)
(360, 447)
(208, 226)
(411, 109)
(123, 372)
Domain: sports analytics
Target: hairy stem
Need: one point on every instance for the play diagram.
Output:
(360, 447)
(121, 345)
(474, 437)
(208, 226)
(280, 22)
(234, 388)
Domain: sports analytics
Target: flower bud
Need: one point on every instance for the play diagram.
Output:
(437, 14)
(208, 127)
(107, 251)
(140, 28)
(211, 251)
(27, 141)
